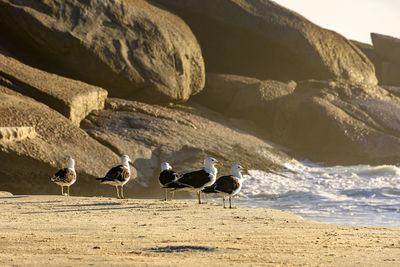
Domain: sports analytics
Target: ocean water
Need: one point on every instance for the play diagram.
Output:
(350, 195)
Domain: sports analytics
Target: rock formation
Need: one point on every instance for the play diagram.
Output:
(272, 74)
(242, 97)
(387, 47)
(131, 48)
(261, 39)
(385, 55)
(71, 98)
(339, 123)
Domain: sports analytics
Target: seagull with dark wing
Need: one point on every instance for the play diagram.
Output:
(197, 180)
(118, 176)
(167, 176)
(229, 185)
(65, 177)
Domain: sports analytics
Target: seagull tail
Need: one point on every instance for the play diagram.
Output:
(208, 190)
(101, 179)
(175, 185)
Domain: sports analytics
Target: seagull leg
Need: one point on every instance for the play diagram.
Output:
(165, 194)
(230, 200)
(62, 190)
(122, 191)
(172, 195)
(116, 187)
(224, 201)
(198, 195)
(68, 190)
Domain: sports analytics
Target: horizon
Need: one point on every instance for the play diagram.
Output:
(357, 21)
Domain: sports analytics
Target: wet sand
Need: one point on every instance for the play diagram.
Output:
(71, 231)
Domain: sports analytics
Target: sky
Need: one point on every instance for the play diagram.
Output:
(354, 19)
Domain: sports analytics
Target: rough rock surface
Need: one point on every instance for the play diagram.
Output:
(373, 56)
(131, 48)
(259, 38)
(71, 98)
(12, 134)
(386, 46)
(27, 164)
(241, 97)
(339, 123)
(387, 71)
(390, 74)
(182, 135)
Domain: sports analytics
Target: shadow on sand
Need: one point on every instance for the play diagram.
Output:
(171, 249)
(13, 197)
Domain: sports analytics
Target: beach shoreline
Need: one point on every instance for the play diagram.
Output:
(59, 230)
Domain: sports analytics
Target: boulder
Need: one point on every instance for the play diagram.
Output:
(390, 74)
(39, 142)
(261, 39)
(373, 56)
(242, 97)
(181, 135)
(132, 48)
(339, 123)
(387, 71)
(387, 47)
(71, 98)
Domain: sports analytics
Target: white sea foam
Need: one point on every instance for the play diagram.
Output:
(362, 194)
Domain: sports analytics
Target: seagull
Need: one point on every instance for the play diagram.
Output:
(167, 175)
(197, 180)
(118, 175)
(65, 177)
(229, 185)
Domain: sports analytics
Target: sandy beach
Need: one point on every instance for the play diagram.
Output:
(69, 231)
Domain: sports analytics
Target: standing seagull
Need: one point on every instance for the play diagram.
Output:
(167, 175)
(118, 176)
(197, 180)
(65, 177)
(228, 185)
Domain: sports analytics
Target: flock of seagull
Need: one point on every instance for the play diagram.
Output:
(204, 180)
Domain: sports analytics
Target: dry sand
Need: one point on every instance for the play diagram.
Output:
(71, 231)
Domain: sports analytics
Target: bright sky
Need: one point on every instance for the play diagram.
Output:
(354, 19)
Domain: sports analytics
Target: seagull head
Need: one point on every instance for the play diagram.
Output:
(208, 162)
(70, 162)
(237, 169)
(165, 166)
(125, 159)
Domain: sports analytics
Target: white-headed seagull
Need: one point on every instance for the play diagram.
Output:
(197, 180)
(65, 177)
(118, 176)
(167, 175)
(229, 185)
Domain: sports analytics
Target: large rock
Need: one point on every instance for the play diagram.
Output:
(28, 158)
(180, 135)
(242, 97)
(71, 98)
(387, 70)
(373, 56)
(386, 46)
(131, 48)
(390, 74)
(339, 123)
(259, 38)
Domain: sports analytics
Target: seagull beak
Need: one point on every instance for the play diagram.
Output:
(246, 171)
(219, 163)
